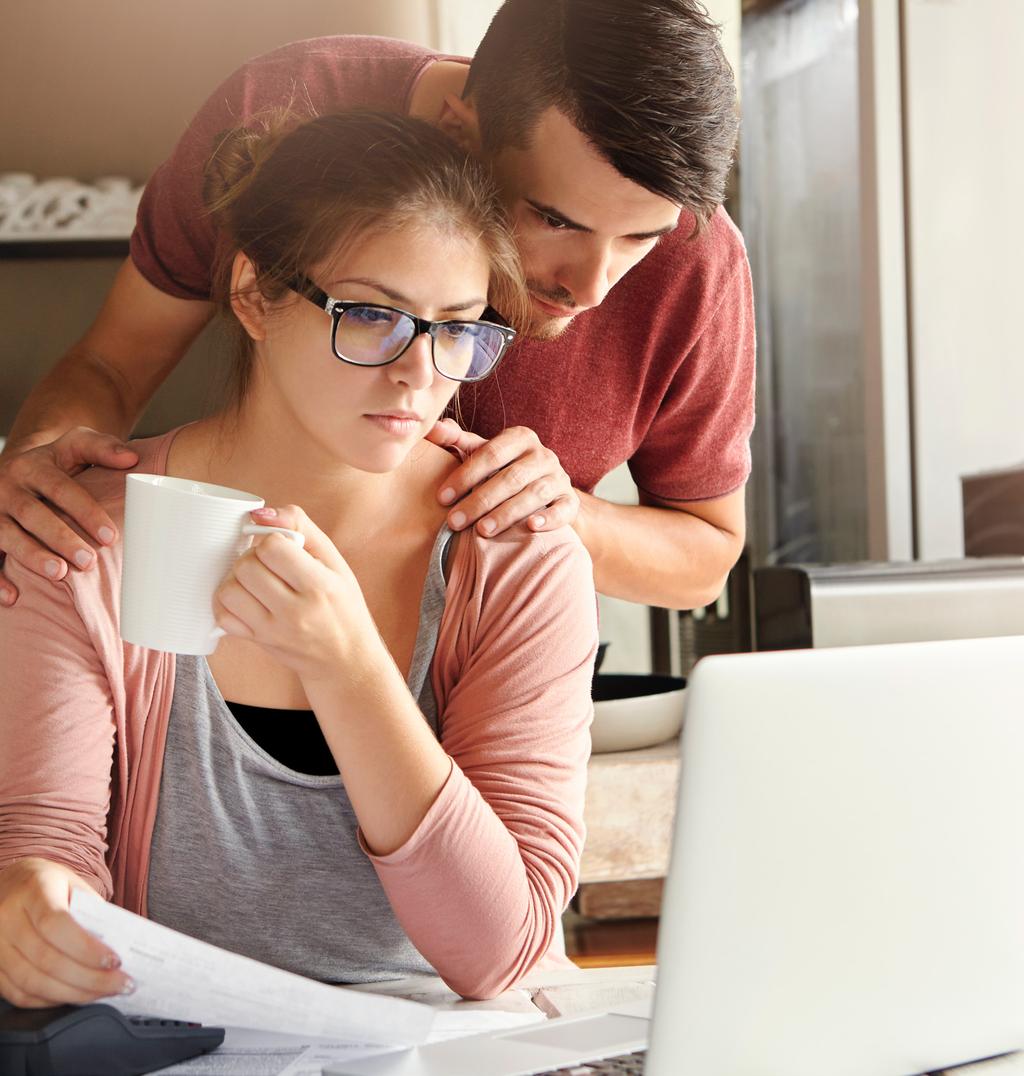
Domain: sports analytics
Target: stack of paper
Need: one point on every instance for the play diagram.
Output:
(278, 1023)
(180, 978)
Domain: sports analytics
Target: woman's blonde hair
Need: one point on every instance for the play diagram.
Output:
(289, 195)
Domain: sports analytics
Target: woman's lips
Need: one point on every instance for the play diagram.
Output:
(401, 425)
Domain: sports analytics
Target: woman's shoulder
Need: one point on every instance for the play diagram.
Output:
(521, 603)
(99, 588)
(520, 557)
(106, 484)
(91, 598)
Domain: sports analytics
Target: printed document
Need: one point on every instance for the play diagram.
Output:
(181, 978)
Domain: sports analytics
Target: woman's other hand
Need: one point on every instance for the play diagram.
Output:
(303, 605)
(46, 958)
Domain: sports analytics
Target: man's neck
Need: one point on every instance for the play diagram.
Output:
(441, 78)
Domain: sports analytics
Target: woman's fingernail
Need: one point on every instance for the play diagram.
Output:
(538, 521)
(458, 520)
(106, 535)
(129, 986)
(488, 526)
(83, 558)
(6, 597)
(266, 513)
(111, 960)
(52, 568)
(446, 496)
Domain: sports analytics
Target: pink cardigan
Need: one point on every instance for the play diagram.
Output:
(480, 884)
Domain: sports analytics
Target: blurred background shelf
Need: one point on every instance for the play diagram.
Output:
(64, 248)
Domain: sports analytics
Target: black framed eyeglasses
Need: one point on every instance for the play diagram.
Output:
(372, 334)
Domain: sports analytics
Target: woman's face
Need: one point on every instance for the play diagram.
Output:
(371, 417)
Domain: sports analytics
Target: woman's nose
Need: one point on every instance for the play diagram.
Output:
(415, 368)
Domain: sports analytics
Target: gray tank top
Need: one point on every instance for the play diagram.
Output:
(259, 859)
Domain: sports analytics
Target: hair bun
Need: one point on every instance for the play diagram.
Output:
(237, 155)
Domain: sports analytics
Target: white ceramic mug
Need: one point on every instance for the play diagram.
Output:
(180, 540)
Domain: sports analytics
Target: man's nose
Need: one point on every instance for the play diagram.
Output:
(590, 279)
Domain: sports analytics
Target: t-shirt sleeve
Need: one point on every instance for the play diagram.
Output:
(481, 884)
(56, 731)
(174, 240)
(708, 407)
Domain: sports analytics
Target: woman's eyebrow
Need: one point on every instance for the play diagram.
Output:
(458, 308)
(404, 300)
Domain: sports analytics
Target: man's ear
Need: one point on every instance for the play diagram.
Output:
(460, 122)
(247, 301)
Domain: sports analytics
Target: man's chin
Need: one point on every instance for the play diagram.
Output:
(546, 328)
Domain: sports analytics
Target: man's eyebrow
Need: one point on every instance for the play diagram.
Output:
(404, 300)
(657, 233)
(550, 211)
(568, 222)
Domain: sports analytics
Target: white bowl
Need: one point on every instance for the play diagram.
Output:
(631, 712)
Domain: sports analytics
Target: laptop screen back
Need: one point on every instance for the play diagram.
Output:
(846, 892)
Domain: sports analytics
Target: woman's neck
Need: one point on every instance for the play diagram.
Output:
(243, 450)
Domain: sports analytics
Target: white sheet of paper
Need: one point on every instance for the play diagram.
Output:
(254, 1053)
(181, 978)
(455, 1023)
(312, 1062)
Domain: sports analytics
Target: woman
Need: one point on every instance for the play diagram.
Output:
(381, 768)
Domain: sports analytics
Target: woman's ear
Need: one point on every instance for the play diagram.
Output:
(460, 122)
(247, 301)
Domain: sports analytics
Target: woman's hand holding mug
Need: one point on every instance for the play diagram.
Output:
(302, 604)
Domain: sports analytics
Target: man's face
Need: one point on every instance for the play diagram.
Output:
(580, 225)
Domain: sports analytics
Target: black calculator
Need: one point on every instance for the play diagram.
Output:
(95, 1040)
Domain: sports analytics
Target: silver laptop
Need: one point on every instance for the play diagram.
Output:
(846, 892)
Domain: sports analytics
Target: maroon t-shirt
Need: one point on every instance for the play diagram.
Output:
(661, 374)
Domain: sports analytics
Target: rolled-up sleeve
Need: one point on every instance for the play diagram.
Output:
(56, 733)
(480, 885)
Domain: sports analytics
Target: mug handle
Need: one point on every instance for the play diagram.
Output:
(256, 528)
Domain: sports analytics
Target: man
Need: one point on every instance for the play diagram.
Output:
(610, 127)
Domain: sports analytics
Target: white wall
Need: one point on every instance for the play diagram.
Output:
(964, 112)
(460, 24)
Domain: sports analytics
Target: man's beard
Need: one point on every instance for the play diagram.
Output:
(543, 326)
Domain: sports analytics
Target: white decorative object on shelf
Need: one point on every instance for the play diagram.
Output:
(65, 208)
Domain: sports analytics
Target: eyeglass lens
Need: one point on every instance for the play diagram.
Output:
(372, 335)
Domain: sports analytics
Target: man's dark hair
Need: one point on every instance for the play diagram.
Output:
(646, 81)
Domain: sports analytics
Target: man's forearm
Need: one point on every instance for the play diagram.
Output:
(656, 556)
(78, 391)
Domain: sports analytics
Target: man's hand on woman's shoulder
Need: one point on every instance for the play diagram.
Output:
(35, 481)
(503, 481)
